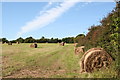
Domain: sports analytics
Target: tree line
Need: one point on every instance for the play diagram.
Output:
(41, 40)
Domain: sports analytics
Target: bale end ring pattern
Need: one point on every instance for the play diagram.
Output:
(95, 58)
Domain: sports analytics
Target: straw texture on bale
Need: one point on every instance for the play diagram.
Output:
(75, 44)
(10, 43)
(33, 45)
(79, 50)
(17, 42)
(95, 58)
(62, 44)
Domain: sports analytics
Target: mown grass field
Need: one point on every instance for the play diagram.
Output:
(46, 61)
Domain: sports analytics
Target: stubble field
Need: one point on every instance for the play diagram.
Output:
(47, 61)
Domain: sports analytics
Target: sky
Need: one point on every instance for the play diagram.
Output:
(51, 19)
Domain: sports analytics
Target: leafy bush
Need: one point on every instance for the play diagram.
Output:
(105, 36)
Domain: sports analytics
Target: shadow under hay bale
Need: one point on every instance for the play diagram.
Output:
(34, 45)
(95, 58)
(79, 50)
(62, 44)
(9, 43)
(3, 42)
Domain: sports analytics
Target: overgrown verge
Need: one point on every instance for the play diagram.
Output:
(106, 36)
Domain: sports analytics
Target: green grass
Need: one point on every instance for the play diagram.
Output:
(48, 60)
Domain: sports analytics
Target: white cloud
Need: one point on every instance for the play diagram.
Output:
(50, 3)
(46, 7)
(47, 17)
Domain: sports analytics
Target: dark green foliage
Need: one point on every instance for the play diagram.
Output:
(42, 40)
(105, 36)
(68, 39)
(29, 40)
(46, 40)
(13, 41)
(4, 40)
(79, 39)
(0, 40)
(21, 40)
(52, 40)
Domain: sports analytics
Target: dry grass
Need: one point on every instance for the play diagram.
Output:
(48, 60)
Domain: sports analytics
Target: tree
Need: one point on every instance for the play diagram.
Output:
(29, 40)
(20, 39)
(43, 40)
(68, 39)
(78, 38)
(106, 36)
(4, 40)
(13, 41)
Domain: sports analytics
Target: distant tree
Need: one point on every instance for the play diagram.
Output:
(0, 40)
(68, 39)
(50, 40)
(13, 41)
(43, 40)
(55, 40)
(59, 40)
(29, 40)
(4, 40)
(20, 39)
(79, 39)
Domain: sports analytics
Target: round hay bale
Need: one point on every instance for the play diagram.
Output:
(31, 45)
(79, 50)
(3, 42)
(9, 43)
(62, 44)
(17, 42)
(34, 45)
(75, 44)
(95, 58)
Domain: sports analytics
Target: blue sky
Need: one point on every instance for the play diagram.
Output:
(51, 19)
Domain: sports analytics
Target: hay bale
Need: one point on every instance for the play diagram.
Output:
(9, 43)
(17, 42)
(75, 44)
(95, 58)
(79, 50)
(62, 44)
(65, 43)
(34, 45)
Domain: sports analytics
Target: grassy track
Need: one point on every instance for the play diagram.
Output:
(48, 60)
